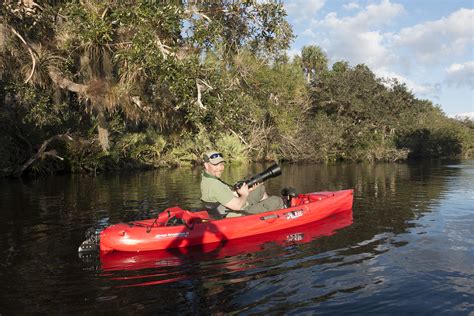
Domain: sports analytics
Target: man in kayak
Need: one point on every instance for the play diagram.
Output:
(216, 194)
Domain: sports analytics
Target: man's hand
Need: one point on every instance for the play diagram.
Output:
(244, 190)
(240, 200)
(256, 185)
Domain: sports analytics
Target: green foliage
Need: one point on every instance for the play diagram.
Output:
(164, 82)
(38, 108)
(232, 148)
(86, 156)
(184, 155)
(382, 120)
(146, 148)
(261, 102)
(314, 61)
(186, 149)
(327, 139)
(10, 154)
(52, 116)
(90, 23)
(449, 141)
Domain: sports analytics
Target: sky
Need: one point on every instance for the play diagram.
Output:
(427, 44)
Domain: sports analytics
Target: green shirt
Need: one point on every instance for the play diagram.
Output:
(213, 190)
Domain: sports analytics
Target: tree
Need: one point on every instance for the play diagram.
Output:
(314, 61)
(142, 61)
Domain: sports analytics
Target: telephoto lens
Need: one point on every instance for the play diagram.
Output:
(271, 172)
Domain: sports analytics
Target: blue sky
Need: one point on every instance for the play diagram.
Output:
(427, 44)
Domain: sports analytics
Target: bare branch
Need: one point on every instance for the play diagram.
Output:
(232, 131)
(140, 104)
(164, 49)
(34, 4)
(194, 11)
(200, 81)
(200, 84)
(65, 83)
(53, 153)
(136, 100)
(33, 59)
(42, 153)
(105, 12)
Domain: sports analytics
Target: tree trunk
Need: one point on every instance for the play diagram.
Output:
(2, 48)
(67, 84)
(82, 90)
(103, 130)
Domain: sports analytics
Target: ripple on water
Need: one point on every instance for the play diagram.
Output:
(409, 250)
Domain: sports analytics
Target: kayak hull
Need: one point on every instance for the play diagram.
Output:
(131, 261)
(199, 228)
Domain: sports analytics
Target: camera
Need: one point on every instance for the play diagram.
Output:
(271, 172)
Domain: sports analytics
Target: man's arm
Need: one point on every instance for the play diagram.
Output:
(238, 202)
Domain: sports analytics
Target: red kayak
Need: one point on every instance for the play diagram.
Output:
(130, 261)
(198, 228)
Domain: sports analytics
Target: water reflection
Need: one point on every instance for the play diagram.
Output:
(409, 249)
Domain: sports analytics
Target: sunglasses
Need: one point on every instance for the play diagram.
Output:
(214, 156)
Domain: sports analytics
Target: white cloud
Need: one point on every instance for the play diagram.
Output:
(355, 38)
(293, 52)
(423, 89)
(303, 9)
(434, 40)
(351, 6)
(308, 33)
(374, 15)
(360, 47)
(358, 39)
(462, 116)
(461, 75)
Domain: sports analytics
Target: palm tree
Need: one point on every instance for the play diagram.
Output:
(314, 61)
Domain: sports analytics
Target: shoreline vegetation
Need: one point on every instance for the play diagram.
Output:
(94, 87)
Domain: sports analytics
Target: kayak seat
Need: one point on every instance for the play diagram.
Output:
(195, 217)
(177, 216)
(212, 209)
(288, 194)
(301, 199)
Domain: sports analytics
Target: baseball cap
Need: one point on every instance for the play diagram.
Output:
(213, 157)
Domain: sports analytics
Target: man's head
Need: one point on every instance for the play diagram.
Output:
(214, 163)
(213, 157)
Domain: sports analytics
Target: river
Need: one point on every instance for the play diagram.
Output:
(406, 248)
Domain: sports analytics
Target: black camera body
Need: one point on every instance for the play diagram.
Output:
(271, 172)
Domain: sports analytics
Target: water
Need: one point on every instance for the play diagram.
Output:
(407, 247)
